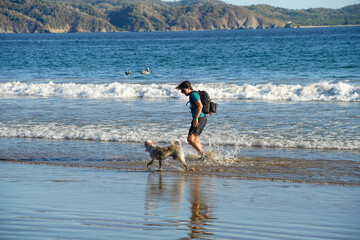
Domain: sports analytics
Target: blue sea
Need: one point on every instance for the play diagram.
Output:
(284, 146)
(283, 94)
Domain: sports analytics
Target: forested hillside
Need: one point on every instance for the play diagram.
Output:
(35, 16)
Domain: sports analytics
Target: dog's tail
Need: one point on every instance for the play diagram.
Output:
(176, 142)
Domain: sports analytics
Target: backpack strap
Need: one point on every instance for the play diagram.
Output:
(190, 100)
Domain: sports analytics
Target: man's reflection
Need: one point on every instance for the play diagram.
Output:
(173, 191)
(200, 210)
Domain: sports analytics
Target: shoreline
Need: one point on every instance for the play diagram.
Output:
(254, 173)
(329, 26)
(199, 30)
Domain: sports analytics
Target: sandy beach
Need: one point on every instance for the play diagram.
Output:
(57, 202)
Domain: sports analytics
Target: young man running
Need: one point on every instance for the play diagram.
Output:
(199, 118)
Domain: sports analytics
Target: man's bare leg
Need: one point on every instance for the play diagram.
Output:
(195, 142)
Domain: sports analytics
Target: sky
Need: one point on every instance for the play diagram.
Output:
(296, 4)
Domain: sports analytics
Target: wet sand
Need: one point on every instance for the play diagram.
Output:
(58, 202)
(332, 172)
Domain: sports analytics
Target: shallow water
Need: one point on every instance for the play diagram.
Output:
(274, 129)
(47, 202)
(225, 163)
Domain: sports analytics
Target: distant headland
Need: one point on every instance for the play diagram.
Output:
(73, 16)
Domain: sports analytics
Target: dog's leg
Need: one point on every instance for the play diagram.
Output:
(182, 160)
(148, 165)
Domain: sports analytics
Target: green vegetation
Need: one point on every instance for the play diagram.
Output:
(35, 16)
(314, 16)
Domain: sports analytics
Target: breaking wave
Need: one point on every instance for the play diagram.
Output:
(323, 91)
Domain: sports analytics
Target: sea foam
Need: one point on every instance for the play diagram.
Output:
(218, 137)
(322, 91)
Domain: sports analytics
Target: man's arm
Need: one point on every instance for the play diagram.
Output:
(198, 112)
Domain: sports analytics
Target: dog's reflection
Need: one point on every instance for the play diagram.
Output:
(161, 193)
(173, 193)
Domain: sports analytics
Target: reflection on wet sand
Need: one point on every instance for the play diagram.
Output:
(200, 210)
(45, 202)
(161, 193)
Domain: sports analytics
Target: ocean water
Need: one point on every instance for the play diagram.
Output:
(282, 93)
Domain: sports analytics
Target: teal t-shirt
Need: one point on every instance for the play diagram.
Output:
(194, 96)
